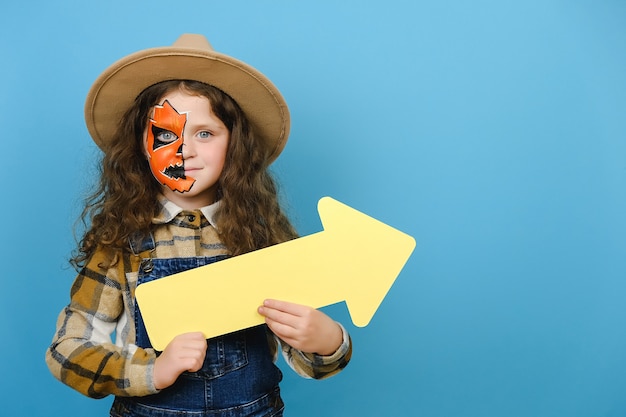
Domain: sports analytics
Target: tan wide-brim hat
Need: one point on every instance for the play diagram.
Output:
(191, 57)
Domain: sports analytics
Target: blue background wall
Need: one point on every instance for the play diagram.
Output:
(494, 132)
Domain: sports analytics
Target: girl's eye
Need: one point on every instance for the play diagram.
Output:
(204, 135)
(165, 136)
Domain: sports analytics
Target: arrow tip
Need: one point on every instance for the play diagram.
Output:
(381, 253)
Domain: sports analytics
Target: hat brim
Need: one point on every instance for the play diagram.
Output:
(115, 90)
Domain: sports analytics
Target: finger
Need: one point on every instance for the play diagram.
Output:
(185, 339)
(187, 345)
(286, 333)
(287, 307)
(191, 336)
(281, 329)
(192, 350)
(278, 316)
(195, 365)
(193, 356)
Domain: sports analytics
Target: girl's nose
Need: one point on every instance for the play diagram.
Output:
(187, 148)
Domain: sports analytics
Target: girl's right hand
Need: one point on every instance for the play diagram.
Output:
(184, 353)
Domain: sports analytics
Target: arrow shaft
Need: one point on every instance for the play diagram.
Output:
(206, 294)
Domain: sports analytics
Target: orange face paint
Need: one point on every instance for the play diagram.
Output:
(164, 147)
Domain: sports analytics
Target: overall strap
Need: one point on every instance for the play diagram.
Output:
(139, 243)
(142, 247)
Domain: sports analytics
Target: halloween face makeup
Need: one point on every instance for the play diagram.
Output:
(164, 147)
(186, 146)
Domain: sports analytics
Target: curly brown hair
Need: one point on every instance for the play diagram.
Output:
(125, 200)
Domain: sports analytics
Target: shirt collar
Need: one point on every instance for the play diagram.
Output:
(170, 210)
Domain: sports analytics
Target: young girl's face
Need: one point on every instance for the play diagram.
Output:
(186, 147)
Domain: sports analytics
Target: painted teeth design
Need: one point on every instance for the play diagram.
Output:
(175, 171)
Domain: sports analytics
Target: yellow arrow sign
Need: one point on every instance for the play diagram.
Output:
(354, 259)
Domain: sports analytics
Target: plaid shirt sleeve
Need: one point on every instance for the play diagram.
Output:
(311, 365)
(82, 354)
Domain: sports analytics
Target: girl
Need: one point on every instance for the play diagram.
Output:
(187, 135)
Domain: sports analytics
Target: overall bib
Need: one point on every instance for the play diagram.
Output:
(238, 377)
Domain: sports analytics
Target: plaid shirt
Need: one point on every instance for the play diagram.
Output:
(82, 354)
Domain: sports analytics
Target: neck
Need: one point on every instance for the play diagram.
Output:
(189, 201)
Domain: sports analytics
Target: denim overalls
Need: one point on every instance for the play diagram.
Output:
(238, 377)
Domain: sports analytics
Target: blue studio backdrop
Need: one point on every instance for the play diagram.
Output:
(494, 132)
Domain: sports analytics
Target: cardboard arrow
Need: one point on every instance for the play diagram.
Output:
(355, 259)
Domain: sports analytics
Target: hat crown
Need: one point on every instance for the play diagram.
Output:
(193, 41)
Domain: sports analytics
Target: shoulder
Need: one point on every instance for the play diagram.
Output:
(105, 258)
(110, 265)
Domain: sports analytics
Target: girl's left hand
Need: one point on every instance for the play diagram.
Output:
(302, 327)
